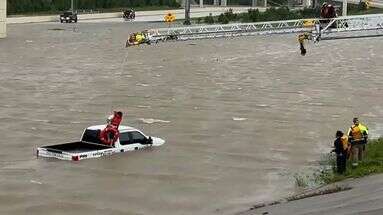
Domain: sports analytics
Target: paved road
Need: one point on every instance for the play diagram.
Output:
(150, 16)
(365, 197)
(141, 16)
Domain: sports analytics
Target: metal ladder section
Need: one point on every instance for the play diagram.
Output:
(340, 24)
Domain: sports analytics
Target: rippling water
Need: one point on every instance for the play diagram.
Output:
(240, 116)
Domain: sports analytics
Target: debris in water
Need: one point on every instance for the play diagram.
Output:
(142, 85)
(239, 119)
(57, 29)
(35, 182)
(144, 106)
(151, 121)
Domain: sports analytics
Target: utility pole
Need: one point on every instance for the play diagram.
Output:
(344, 8)
(71, 6)
(253, 3)
(3, 17)
(187, 12)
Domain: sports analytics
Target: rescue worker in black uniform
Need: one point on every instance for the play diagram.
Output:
(340, 149)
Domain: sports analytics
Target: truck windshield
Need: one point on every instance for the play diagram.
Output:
(91, 136)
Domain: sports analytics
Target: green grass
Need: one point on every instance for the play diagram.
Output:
(281, 13)
(372, 164)
(373, 10)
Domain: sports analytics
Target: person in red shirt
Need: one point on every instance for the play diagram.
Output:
(110, 134)
(117, 118)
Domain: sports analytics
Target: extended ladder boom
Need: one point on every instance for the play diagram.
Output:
(326, 26)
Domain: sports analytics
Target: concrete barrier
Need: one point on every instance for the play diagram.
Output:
(30, 19)
(155, 15)
(56, 18)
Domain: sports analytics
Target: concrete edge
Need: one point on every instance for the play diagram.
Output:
(325, 190)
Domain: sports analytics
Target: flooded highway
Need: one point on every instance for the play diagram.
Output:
(240, 116)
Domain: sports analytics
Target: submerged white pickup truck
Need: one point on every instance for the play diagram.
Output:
(90, 145)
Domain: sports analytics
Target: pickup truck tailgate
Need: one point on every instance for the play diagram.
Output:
(76, 147)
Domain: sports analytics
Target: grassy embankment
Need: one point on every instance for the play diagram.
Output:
(280, 13)
(372, 164)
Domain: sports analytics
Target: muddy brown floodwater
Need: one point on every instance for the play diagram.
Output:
(240, 116)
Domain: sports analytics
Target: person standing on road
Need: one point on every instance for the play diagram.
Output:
(340, 149)
(358, 136)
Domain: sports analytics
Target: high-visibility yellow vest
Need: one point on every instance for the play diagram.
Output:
(139, 38)
(363, 128)
(357, 131)
(344, 140)
(303, 37)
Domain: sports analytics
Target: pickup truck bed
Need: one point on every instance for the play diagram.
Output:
(76, 147)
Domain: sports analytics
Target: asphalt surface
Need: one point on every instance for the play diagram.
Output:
(141, 16)
(365, 197)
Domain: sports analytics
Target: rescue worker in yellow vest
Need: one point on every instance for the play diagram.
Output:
(341, 149)
(139, 38)
(358, 136)
(301, 40)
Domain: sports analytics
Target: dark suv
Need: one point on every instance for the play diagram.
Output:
(129, 14)
(68, 17)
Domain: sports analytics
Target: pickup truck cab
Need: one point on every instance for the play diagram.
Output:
(68, 16)
(90, 146)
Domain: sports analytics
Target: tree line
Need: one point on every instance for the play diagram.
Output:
(35, 6)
